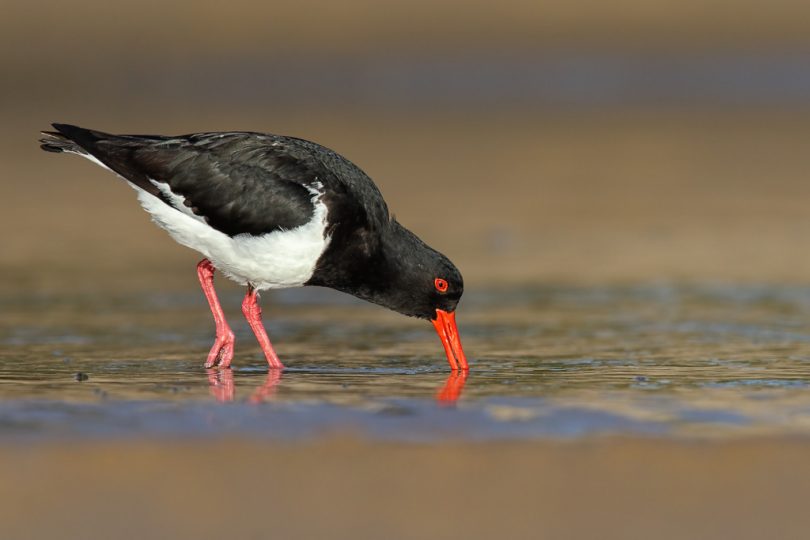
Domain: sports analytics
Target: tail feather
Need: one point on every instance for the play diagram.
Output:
(53, 141)
(68, 138)
(113, 152)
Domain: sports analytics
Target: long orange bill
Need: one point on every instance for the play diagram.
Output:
(445, 324)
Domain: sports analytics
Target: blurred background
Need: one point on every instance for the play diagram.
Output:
(632, 175)
(531, 141)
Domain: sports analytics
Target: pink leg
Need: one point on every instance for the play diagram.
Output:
(222, 352)
(253, 314)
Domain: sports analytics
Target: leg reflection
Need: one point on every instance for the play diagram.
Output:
(220, 384)
(453, 386)
(268, 388)
(223, 388)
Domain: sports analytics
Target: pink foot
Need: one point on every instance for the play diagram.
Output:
(221, 353)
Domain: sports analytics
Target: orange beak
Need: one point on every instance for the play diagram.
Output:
(445, 324)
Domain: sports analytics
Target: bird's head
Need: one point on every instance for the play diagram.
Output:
(395, 269)
(424, 283)
(433, 284)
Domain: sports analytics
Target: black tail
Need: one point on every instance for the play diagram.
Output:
(52, 141)
(115, 152)
(69, 138)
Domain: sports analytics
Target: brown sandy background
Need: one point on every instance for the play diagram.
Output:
(541, 190)
(664, 184)
(619, 196)
(342, 488)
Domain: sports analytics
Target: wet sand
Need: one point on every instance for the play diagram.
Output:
(354, 489)
(703, 393)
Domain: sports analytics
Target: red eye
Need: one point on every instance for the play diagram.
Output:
(441, 285)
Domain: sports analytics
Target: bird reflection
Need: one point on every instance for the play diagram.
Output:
(449, 393)
(223, 388)
(268, 388)
(220, 384)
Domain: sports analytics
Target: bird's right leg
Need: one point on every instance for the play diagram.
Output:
(222, 352)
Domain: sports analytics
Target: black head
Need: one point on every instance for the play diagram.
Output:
(417, 280)
(437, 285)
(432, 288)
(402, 273)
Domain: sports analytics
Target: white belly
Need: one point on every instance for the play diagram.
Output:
(272, 261)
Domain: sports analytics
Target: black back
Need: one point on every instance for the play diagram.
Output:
(239, 182)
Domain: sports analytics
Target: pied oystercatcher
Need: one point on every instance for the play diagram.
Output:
(270, 212)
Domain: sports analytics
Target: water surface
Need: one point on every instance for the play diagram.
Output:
(659, 360)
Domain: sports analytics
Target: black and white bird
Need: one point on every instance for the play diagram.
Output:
(270, 212)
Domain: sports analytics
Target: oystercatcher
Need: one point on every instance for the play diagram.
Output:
(270, 212)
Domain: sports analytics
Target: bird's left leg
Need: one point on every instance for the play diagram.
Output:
(253, 314)
(222, 352)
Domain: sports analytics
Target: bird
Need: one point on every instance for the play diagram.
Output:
(273, 211)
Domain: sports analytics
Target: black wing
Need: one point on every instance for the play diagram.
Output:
(238, 182)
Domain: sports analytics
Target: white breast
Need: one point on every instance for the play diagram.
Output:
(275, 260)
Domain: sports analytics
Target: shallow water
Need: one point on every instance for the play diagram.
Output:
(699, 361)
